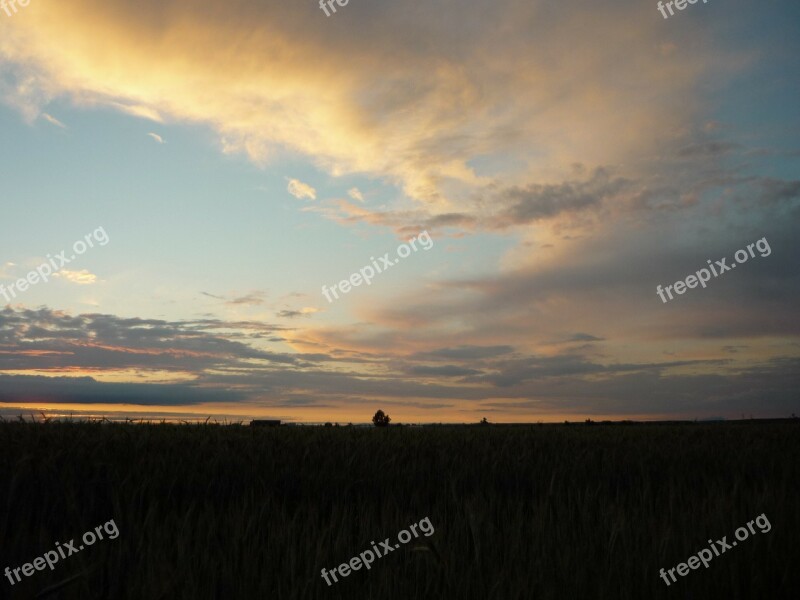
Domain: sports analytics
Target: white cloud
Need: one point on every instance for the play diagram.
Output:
(53, 120)
(82, 277)
(136, 110)
(355, 194)
(157, 138)
(301, 190)
(5, 271)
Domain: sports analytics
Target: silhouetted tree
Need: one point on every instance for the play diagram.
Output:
(484, 421)
(381, 419)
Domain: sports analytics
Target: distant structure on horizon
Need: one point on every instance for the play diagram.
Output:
(265, 423)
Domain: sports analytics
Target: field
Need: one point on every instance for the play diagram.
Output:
(541, 511)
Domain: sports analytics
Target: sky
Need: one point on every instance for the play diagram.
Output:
(211, 170)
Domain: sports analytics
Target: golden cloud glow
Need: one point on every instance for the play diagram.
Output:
(364, 96)
(82, 277)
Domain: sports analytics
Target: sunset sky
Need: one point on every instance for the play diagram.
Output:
(565, 157)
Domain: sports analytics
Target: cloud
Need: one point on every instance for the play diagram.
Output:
(670, 394)
(537, 368)
(224, 363)
(157, 138)
(415, 113)
(46, 339)
(543, 201)
(51, 119)
(608, 283)
(584, 337)
(303, 312)
(588, 166)
(253, 298)
(301, 190)
(82, 277)
(85, 390)
(6, 269)
(707, 149)
(442, 371)
(212, 296)
(466, 352)
(775, 191)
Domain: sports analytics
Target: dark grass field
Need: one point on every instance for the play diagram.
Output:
(548, 511)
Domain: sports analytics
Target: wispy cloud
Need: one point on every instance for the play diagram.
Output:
(82, 277)
(254, 298)
(133, 109)
(303, 312)
(51, 119)
(157, 138)
(6, 270)
(212, 296)
(301, 190)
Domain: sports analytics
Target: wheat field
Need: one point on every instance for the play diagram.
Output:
(540, 511)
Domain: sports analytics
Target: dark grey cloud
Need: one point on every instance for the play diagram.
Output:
(707, 149)
(536, 201)
(465, 352)
(767, 390)
(46, 339)
(292, 314)
(584, 337)
(491, 376)
(442, 371)
(85, 390)
(254, 298)
(516, 371)
(613, 279)
(774, 191)
(212, 296)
